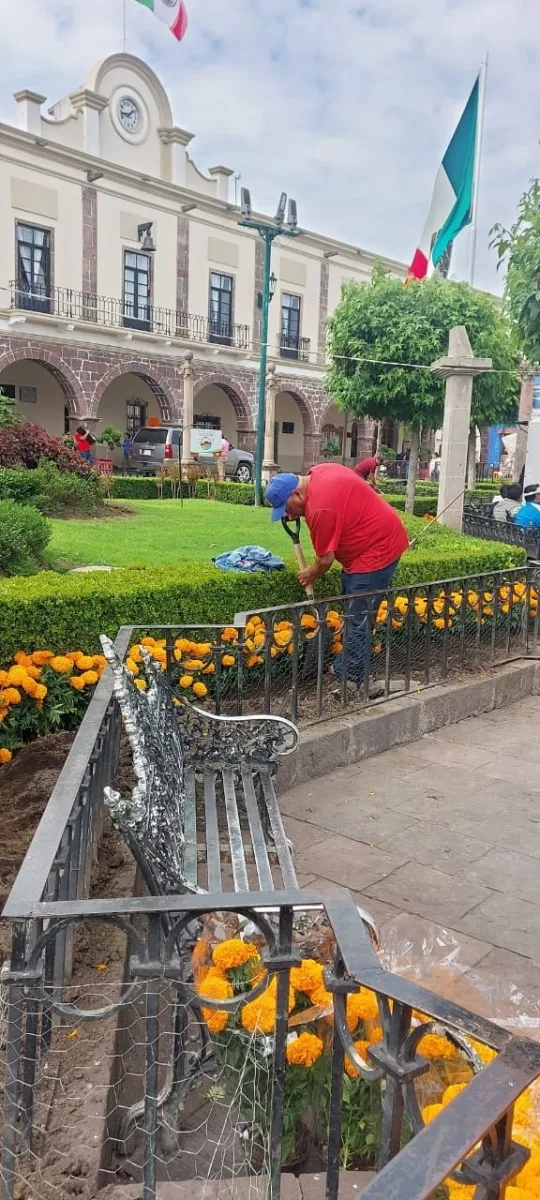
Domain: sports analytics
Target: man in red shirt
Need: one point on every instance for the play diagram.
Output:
(367, 468)
(349, 522)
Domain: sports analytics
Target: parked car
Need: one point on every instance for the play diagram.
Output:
(156, 445)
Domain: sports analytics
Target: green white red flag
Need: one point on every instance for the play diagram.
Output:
(171, 12)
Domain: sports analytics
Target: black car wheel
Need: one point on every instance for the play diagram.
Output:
(243, 472)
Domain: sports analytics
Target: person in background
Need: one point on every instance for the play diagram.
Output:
(367, 467)
(84, 442)
(505, 506)
(435, 467)
(126, 447)
(528, 515)
(348, 522)
(222, 458)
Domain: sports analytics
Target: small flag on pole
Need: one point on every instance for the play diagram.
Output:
(453, 195)
(171, 12)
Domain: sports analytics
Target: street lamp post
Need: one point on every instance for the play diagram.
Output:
(268, 231)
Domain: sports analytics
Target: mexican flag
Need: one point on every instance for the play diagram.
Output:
(171, 12)
(452, 199)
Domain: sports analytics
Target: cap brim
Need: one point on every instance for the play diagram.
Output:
(278, 513)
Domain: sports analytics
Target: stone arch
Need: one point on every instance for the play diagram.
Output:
(303, 404)
(236, 394)
(152, 378)
(65, 377)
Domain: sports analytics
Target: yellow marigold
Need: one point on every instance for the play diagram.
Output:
(485, 1054)
(377, 647)
(334, 621)
(5, 756)
(361, 1006)
(99, 661)
(259, 640)
(203, 649)
(457, 599)
(41, 657)
(3, 713)
(86, 661)
(215, 989)
(90, 678)
(375, 1036)
(16, 675)
(434, 1045)
(159, 654)
(274, 651)
(321, 998)
(401, 604)
(77, 682)
(304, 1050)
(259, 1016)
(229, 634)
(141, 684)
(431, 1111)
(519, 1193)
(254, 660)
(228, 660)
(530, 1175)
(10, 695)
(308, 976)
(200, 690)
(459, 1191)
(215, 1020)
(193, 664)
(233, 953)
(29, 685)
(210, 669)
(420, 606)
(336, 647)
(453, 1091)
(282, 637)
(21, 657)
(61, 664)
(3, 678)
(186, 681)
(442, 623)
(148, 641)
(308, 621)
(73, 655)
(350, 1068)
(132, 666)
(33, 672)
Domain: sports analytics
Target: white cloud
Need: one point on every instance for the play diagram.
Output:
(346, 104)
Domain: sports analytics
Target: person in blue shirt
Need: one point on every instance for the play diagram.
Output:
(528, 516)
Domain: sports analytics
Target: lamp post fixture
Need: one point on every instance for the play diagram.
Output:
(268, 231)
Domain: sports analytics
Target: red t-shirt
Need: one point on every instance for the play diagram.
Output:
(367, 467)
(81, 443)
(347, 518)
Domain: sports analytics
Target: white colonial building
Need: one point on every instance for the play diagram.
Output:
(124, 269)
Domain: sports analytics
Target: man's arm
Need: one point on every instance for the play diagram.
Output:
(319, 567)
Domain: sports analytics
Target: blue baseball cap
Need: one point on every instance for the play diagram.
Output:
(278, 491)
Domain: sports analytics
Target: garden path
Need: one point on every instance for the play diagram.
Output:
(444, 830)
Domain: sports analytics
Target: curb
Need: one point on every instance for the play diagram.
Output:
(348, 739)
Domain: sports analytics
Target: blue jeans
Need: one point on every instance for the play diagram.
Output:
(87, 456)
(358, 625)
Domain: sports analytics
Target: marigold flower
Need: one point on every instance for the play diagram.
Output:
(351, 1069)
(210, 669)
(459, 1191)
(250, 644)
(148, 641)
(216, 1020)
(61, 664)
(309, 622)
(382, 612)
(362, 1006)
(33, 672)
(254, 660)
(3, 714)
(336, 647)
(442, 623)
(322, 998)
(132, 666)
(99, 661)
(21, 658)
(86, 661)
(41, 657)
(158, 653)
(5, 756)
(9, 696)
(233, 953)
(453, 1091)
(3, 677)
(29, 685)
(203, 649)
(229, 634)
(431, 1111)
(193, 664)
(274, 651)
(259, 640)
(308, 976)
(485, 1053)
(420, 606)
(282, 637)
(228, 660)
(259, 1016)
(377, 647)
(141, 684)
(434, 1045)
(200, 690)
(304, 1050)
(375, 1036)
(16, 675)
(530, 1175)
(90, 678)
(77, 682)
(215, 989)
(401, 604)
(74, 655)
(186, 681)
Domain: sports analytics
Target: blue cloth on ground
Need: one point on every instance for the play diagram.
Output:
(248, 559)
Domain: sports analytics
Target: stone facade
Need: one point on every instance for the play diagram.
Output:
(89, 239)
(323, 309)
(182, 265)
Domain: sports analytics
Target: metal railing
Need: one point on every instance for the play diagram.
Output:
(49, 904)
(478, 522)
(291, 346)
(73, 305)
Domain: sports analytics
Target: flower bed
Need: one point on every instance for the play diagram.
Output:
(244, 1046)
(43, 692)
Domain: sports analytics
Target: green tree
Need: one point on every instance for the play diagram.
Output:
(110, 437)
(8, 415)
(519, 248)
(383, 322)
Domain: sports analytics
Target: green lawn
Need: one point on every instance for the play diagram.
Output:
(160, 532)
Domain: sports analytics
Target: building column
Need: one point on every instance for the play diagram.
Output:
(323, 310)
(89, 252)
(187, 415)
(182, 266)
(459, 367)
(312, 450)
(525, 410)
(269, 467)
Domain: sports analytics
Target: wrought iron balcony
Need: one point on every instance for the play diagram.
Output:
(72, 305)
(291, 346)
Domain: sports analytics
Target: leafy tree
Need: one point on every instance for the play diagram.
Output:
(8, 415)
(384, 322)
(519, 248)
(110, 437)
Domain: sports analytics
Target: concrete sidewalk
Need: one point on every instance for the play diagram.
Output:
(447, 828)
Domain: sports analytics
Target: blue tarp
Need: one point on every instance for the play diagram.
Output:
(248, 559)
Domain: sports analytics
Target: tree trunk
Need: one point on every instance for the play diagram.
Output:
(413, 470)
(471, 460)
(344, 442)
(380, 427)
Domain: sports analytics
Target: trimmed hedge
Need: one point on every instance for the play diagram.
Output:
(139, 487)
(62, 612)
(422, 504)
(24, 534)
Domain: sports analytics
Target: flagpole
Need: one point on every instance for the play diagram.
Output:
(477, 167)
(124, 25)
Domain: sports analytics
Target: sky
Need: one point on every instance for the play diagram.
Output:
(348, 105)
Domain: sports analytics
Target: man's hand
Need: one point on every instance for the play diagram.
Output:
(307, 576)
(321, 565)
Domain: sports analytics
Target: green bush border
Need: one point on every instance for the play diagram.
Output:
(68, 612)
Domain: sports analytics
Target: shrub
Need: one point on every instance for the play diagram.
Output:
(51, 490)
(22, 485)
(62, 611)
(24, 533)
(422, 504)
(25, 445)
(228, 493)
(132, 487)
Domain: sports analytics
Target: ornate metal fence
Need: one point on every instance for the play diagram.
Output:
(479, 523)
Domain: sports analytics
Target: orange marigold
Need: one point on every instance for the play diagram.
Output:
(304, 1050)
(216, 989)
(259, 1016)
(351, 1069)
(3, 678)
(308, 976)
(41, 657)
(16, 675)
(186, 681)
(90, 677)
(233, 953)
(200, 690)
(77, 682)
(362, 1006)
(61, 664)
(431, 1111)
(85, 662)
(434, 1045)
(5, 756)
(228, 660)
(10, 695)
(29, 685)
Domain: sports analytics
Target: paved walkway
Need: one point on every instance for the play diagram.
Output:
(446, 828)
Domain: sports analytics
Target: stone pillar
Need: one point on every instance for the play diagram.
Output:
(312, 450)
(269, 467)
(525, 410)
(323, 310)
(187, 417)
(459, 368)
(89, 252)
